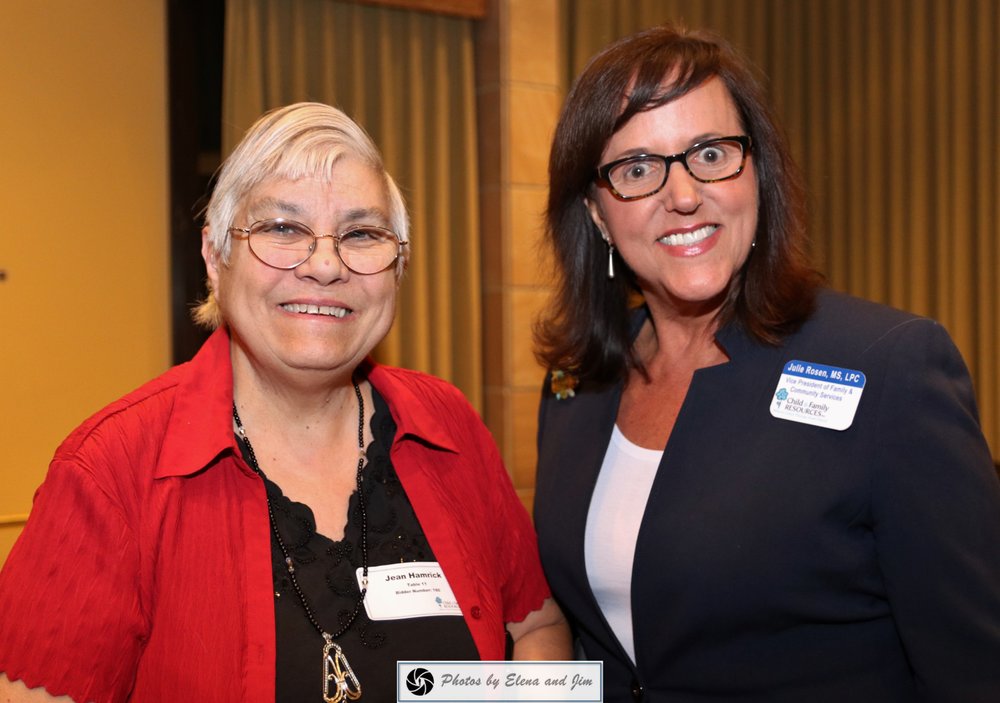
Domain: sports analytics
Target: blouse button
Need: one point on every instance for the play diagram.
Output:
(476, 612)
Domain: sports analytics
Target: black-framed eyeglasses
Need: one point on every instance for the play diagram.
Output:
(285, 244)
(643, 175)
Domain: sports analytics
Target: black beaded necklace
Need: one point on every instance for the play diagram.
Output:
(336, 669)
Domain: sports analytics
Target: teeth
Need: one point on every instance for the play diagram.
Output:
(680, 240)
(315, 309)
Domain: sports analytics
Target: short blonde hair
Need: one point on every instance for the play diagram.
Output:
(296, 141)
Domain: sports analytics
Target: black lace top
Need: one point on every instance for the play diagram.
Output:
(326, 573)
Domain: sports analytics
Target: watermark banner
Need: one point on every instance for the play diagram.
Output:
(473, 681)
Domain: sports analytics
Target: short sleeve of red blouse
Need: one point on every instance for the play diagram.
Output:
(70, 616)
(524, 586)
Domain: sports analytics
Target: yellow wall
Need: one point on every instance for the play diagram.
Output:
(84, 222)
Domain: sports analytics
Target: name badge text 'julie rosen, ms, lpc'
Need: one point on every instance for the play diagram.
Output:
(816, 394)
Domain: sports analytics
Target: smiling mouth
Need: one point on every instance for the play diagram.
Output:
(689, 238)
(304, 309)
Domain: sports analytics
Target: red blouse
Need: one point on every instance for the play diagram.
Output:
(144, 571)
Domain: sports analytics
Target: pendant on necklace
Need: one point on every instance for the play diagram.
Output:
(338, 674)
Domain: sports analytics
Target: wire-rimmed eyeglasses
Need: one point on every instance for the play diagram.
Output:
(643, 175)
(285, 244)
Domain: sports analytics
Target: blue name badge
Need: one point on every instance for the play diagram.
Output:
(816, 394)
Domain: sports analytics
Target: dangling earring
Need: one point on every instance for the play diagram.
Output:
(611, 260)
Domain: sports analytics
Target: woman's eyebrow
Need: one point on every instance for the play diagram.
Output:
(276, 204)
(365, 213)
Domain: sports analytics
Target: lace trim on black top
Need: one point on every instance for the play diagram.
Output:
(326, 572)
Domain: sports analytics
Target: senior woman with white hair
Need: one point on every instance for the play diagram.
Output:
(233, 530)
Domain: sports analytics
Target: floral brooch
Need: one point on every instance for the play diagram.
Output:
(564, 384)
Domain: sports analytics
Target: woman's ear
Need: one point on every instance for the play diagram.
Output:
(211, 257)
(595, 214)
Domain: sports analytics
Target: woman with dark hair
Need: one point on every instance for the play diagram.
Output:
(749, 487)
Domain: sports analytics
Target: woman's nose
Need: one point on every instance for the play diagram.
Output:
(682, 191)
(324, 265)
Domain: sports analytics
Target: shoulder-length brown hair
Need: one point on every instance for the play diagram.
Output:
(586, 327)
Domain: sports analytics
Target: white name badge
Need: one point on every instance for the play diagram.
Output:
(825, 396)
(412, 589)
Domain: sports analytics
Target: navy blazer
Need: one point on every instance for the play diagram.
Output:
(781, 561)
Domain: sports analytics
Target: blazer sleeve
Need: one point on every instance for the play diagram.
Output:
(936, 518)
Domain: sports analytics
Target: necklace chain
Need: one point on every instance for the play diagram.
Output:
(289, 564)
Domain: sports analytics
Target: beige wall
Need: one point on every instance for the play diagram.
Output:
(518, 57)
(83, 223)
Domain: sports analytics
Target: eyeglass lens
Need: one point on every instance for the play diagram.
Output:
(713, 160)
(286, 244)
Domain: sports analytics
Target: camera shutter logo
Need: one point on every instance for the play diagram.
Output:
(419, 681)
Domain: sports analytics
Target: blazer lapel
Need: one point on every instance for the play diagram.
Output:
(575, 433)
